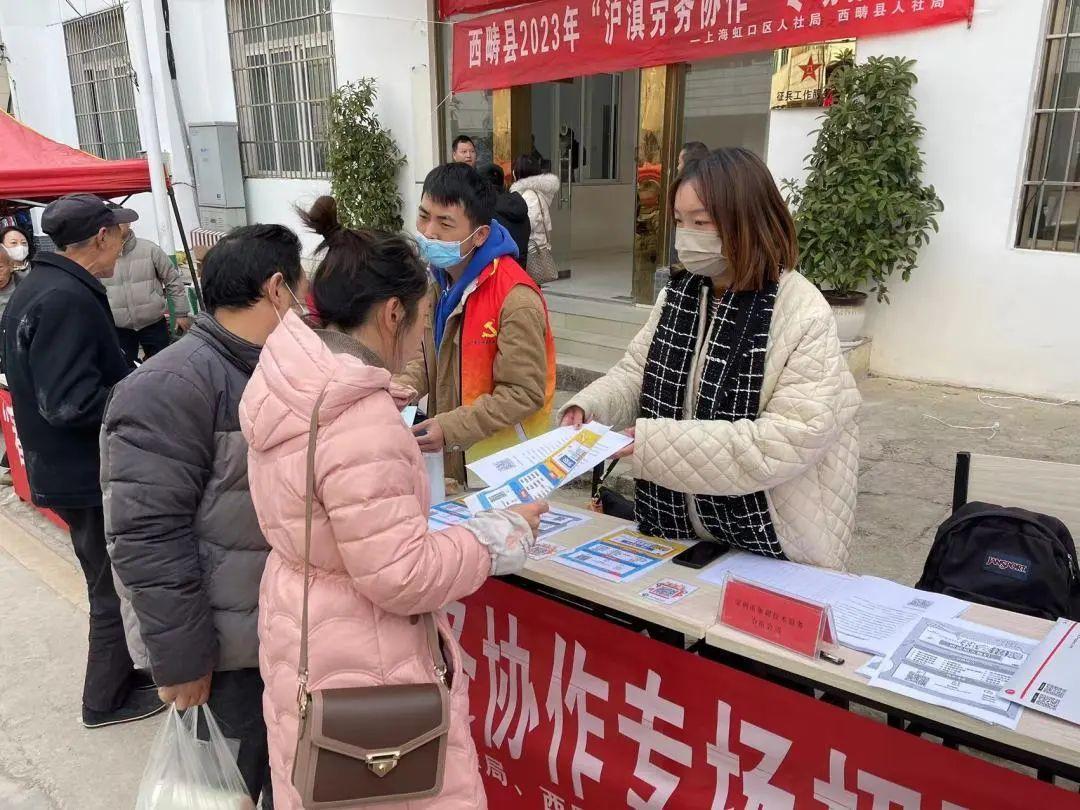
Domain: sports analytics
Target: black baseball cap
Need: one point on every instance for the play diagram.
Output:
(76, 217)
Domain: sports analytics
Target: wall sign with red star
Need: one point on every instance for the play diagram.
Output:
(800, 73)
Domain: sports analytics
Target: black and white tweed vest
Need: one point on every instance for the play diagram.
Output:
(736, 340)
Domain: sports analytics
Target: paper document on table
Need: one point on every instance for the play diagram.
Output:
(805, 581)
(557, 521)
(871, 614)
(1049, 681)
(958, 665)
(538, 481)
(500, 467)
(874, 615)
(620, 556)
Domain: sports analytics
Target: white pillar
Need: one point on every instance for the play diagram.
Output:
(148, 121)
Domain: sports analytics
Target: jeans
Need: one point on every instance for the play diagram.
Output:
(108, 664)
(152, 339)
(236, 703)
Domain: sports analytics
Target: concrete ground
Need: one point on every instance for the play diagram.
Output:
(49, 762)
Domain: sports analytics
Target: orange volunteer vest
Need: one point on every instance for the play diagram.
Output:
(479, 345)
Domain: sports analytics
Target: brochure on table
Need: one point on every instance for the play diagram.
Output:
(1049, 681)
(958, 665)
(556, 521)
(872, 615)
(620, 556)
(532, 470)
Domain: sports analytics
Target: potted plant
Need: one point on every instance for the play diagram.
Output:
(363, 160)
(863, 211)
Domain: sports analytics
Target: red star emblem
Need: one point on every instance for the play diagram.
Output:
(810, 69)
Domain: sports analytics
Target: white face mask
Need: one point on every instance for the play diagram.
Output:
(701, 252)
(18, 253)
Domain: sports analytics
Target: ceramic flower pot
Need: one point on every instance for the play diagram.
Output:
(850, 312)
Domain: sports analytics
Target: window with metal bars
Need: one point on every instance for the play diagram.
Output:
(283, 71)
(102, 84)
(1050, 202)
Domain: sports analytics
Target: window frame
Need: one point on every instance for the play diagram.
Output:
(286, 100)
(102, 83)
(1035, 211)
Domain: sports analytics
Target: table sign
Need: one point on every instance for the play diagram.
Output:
(800, 625)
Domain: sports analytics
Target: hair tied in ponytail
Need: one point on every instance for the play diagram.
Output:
(322, 218)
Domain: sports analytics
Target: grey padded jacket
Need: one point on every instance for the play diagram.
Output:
(182, 532)
(137, 290)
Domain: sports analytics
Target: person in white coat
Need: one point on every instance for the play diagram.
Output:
(538, 189)
(736, 391)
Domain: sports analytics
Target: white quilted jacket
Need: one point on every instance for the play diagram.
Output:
(802, 449)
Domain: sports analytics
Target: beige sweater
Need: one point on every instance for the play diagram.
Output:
(802, 449)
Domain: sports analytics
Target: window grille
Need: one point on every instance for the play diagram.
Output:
(102, 84)
(282, 55)
(1050, 203)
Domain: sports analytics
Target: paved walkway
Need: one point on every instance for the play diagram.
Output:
(48, 762)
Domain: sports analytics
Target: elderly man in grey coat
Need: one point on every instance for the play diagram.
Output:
(144, 283)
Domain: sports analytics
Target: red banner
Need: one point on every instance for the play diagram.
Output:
(570, 711)
(16, 462)
(448, 8)
(558, 39)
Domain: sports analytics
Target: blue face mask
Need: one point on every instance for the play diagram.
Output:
(442, 254)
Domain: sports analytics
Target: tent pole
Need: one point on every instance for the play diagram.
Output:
(148, 121)
(187, 250)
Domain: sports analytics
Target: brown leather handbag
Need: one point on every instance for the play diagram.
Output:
(366, 744)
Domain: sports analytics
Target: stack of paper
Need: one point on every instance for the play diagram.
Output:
(958, 665)
(1049, 681)
(871, 614)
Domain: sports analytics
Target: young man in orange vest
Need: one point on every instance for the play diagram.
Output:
(488, 361)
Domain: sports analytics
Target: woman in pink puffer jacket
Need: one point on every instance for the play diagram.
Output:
(374, 562)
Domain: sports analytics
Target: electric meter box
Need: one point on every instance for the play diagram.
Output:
(215, 151)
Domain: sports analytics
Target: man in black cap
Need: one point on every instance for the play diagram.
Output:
(62, 358)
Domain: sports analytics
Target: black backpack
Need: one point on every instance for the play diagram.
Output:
(1008, 558)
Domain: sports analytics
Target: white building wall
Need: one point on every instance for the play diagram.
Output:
(392, 42)
(977, 311)
(34, 36)
(385, 40)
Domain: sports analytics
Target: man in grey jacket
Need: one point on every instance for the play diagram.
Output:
(144, 282)
(183, 536)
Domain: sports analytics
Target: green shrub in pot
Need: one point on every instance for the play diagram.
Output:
(363, 160)
(863, 211)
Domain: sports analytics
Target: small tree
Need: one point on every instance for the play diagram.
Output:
(863, 213)
(363, 160)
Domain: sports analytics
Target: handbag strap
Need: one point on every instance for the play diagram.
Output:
(600, 475)
(309, 508)
(545, 214)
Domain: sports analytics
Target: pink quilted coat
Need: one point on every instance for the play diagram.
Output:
(375, 563)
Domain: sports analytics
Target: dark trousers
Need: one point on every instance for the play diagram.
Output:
(108, 664)
(236, 702)
(152, 339)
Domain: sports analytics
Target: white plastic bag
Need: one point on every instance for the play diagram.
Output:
(186, 773)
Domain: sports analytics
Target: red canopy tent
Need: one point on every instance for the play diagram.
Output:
(33, 167)
(36, 170)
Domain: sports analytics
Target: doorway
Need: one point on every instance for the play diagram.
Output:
(583, 131)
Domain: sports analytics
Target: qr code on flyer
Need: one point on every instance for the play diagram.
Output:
(1045, 701)
(1051, 690)
(504, 465)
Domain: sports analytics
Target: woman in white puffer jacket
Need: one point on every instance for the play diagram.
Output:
(736, 390)
(538, 190)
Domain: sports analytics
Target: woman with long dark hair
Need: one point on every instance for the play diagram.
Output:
(741, 403)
